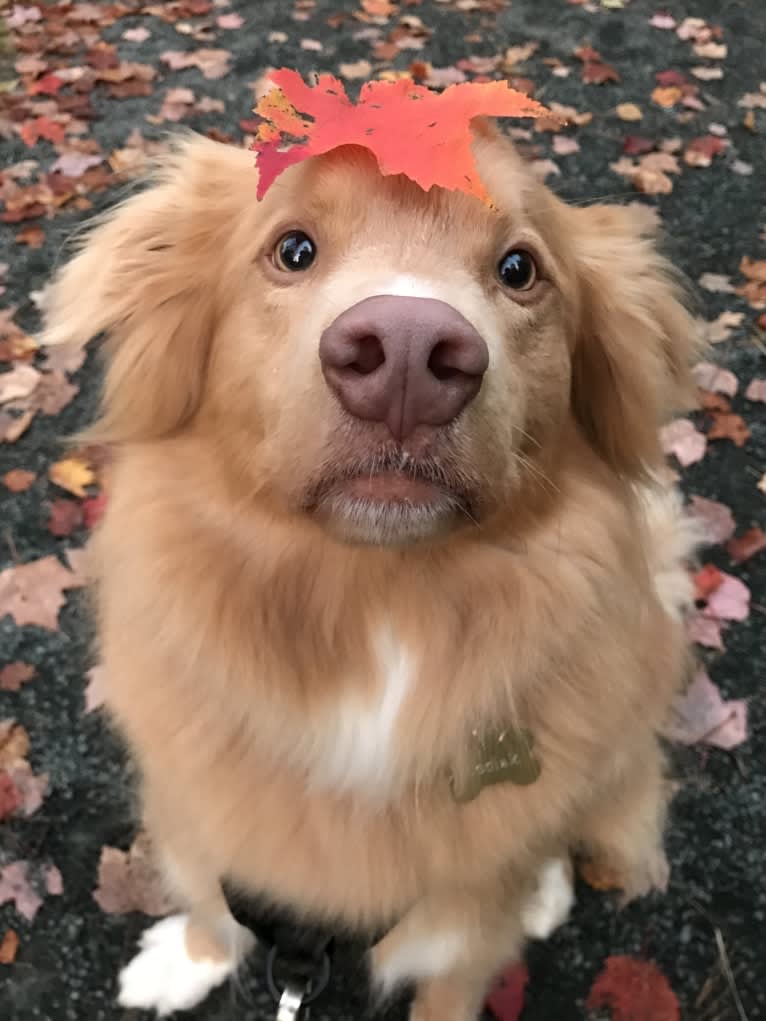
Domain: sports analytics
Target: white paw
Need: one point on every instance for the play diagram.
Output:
(550, 904)
(163, 977)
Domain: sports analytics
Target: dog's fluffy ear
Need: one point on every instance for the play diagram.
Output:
(635, 341)
(147, 275)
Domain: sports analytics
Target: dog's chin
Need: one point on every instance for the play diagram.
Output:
(389, 508)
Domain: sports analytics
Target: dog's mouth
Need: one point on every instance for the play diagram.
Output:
(392, 497)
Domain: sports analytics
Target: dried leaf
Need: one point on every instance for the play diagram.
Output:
(565, 145)
(729, 427)
(18, 480)
(684, 441)
(73, 475)
(33, 593)
(9, 946)
(634, 990)
(41, 127)
(706, 580)
(716, 519)
(730, 600)
(700, 715)
(13, 675)
(666, 96)
(700, 151)
(746, 545)
(712, 377)
(65, 517)
(408, 128)
(33, 235)
(596, 73)
(212, 63)
(719, 329)
(230, 22)
(628, 112)
(356, 70)
(19, 382)
(26, 891)
(506, 998)
(705, 631)
(716, 282)
(129, 881)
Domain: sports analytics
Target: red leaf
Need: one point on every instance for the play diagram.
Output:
(597, 74)
(408, 128)
(636, 145)
(48, 85)
(65, 517)
(10, 799)
(634, 990)
(41, 127)
(666, 78)
(93, 508)
(13, 675)
(746, 545)
(730, 427)
(706, 581)
(506, 999)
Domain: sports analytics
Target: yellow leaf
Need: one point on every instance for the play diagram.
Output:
(629, 112)
(73, 475)
(666, 97)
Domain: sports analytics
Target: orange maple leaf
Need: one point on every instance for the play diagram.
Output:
(408, 128)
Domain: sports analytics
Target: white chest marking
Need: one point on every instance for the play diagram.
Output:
(357, 735)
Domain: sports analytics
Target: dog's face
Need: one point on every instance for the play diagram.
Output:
(394, 364)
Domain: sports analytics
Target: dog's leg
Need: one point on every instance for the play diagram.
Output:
(183, 957)
(623, 833)
(451, 945)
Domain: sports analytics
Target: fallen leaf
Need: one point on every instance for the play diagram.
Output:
(705, 631)
(700, 715)
(358, 69)
(700, 151)
(719, 329)
(230, 21)
(33, 593)
(712, 377)
(716, 519)
(387, 119)
(9, 946)
(212, 63)
(684, 441)
(706, 580)
(10, 798)
(666, 96)
(711, 50)
(730, 600)
(663, 21)
(14, 744)
(136, 35)
(74, 164)
(596, 73)
(95, 690)
(65, 517)
(751, 100)
(18, 480)
(33, 235)
(41, 127)
(93, 509)
(636, 145)
(742, 168)
(716, 282)
(729, 427)
(13, 675)
(19, 382)
(506, 998)
(746, 545)
(707, 74)
(129, 881)
(24, 891)
(634, 990)
(73, 475)
(518, 55)
(628, 112)
(565, 145)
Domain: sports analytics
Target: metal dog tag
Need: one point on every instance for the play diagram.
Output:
(501, 756)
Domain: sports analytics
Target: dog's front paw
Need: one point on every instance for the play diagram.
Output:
(163, 977)
(552, 900)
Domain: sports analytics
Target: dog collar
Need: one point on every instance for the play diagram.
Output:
(497, 756)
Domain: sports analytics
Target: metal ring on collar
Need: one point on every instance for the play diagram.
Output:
(314, 988)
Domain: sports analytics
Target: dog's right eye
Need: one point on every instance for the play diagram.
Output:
(295, 251)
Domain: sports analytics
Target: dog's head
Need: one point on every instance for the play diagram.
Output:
(390, 362)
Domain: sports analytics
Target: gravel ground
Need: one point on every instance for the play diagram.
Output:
(71, 953)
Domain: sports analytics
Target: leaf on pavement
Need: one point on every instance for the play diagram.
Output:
(634, 990)
(25, 885)
(506, 998)
(716, 519)
(684, 441)
(746, 545)
(129, 881)
(33, 593)
(18, 480)
(729, 427)
(9, 946)
(713, 377)
(729, 600)
(13, 675)
(700, 715)
(65, 516)
(756, 390)
(72, 474)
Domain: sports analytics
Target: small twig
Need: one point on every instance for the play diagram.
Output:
(726, 966)
(8, 536)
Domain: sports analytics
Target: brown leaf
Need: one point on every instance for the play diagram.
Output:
(666, 97)
(129, 881)
(9, 946)
(18, 480)
(635, 990)
(13, 675)
(32, 235)
(65, 517)
(628, 112)
(729, 427)
(14, 744)
(594, 73)
(700, 151)
(33, 593)
(746, 545)
(73, 475)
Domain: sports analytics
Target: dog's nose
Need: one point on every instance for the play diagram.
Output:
(403, 361)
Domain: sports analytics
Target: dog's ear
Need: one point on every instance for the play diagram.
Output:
(147, 275)
(635, 340)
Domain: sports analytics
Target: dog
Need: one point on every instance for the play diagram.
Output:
(390, 586)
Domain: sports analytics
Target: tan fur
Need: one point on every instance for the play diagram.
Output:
(236, 624)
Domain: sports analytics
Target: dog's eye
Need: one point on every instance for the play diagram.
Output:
(517, 270)
(295, 251)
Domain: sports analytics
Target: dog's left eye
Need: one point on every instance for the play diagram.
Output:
(295, 251)
(517, 270)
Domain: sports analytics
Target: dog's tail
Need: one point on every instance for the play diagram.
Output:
(673, 536)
